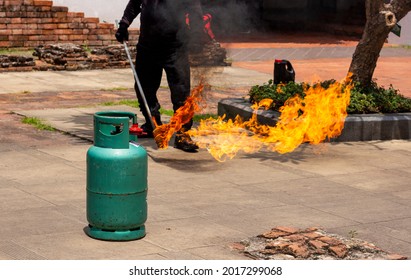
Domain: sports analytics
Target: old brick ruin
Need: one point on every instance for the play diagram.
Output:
(29, 23)
(289, 243)
(66, 40)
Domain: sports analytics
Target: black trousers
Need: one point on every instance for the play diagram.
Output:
(149, 67)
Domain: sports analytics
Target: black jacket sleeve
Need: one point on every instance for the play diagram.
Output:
(132, 10)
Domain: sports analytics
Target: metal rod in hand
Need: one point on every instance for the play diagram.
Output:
(140, 89)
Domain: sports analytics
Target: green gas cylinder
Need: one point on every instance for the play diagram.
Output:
(116, 179)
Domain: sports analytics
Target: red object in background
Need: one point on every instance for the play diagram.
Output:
(207, 25)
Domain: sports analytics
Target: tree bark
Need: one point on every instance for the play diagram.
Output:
(381, 19)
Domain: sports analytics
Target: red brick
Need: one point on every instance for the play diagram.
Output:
(15, 14)
(77, 37)
(42, 3)
(278, 245)
(17, 32)
(31, 43)
(310, 229)
(298, 250)
(77, 31)
(46, 20)
(76, 25)
(30, 20)
(63, 38)
(62, 32)
(106, 25)
(75, 14)
(91, 25)
(59, 9)
(48, 31)
(62, 25)
(77, 42)
(12, 3)
(32, 26)
(15, 20)
(91, 20)
(273, 234)
(330, 240)
(34, 37)
(287, 229)
(18, 38)
(318, 244)
(59, 15)
(5, 44)
(5, 32)
(295, 237)
(34, 15)
(45, 8)
(48, 26)
(32, 32)
(17, 26)
(340, 251)
(105, 37)
(15, 44)
(49, 37)
(312, 235)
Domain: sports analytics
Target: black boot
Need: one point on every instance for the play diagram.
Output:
(184, 142)
(148, 129)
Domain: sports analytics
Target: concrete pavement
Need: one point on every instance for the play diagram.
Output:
(198, 207)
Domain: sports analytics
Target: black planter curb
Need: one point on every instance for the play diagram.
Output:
(357, 127)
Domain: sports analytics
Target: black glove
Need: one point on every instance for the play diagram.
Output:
(122, 32)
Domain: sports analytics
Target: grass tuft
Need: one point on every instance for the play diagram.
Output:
(37, 123)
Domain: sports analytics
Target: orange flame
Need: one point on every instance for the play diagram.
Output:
(163, 133)
(317, 117)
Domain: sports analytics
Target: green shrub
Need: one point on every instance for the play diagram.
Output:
(364, 100)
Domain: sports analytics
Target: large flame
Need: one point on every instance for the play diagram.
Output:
(163, 133)
(317, 117)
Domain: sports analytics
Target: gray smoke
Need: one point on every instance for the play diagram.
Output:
(233, 16)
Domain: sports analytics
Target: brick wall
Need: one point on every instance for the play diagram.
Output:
(29, 23)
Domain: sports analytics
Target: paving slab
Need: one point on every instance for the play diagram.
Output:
(198, 206)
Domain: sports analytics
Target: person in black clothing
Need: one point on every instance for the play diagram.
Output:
(164, 44)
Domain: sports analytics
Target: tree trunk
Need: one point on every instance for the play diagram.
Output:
(381, 18)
